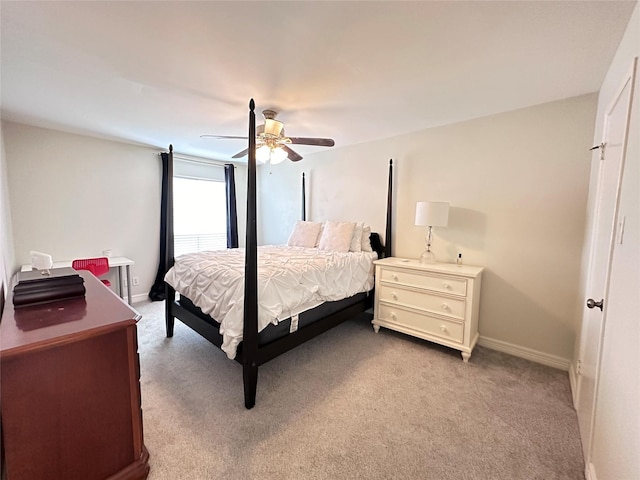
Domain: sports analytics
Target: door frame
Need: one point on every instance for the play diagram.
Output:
(628, 79)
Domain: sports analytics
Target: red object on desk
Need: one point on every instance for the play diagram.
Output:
(98, 266)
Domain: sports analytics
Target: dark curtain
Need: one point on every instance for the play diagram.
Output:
(232, 216)
(157, 292)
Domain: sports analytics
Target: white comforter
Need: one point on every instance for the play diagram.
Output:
(290, 281)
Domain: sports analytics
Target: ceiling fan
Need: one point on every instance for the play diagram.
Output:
(272, 144)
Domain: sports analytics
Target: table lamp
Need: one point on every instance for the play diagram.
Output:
(431, 214)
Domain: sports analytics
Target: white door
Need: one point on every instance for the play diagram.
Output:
(611, 154)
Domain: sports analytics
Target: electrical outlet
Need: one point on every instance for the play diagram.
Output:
(135, 281)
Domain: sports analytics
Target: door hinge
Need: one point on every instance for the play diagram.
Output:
(579, 367)
(601, 147)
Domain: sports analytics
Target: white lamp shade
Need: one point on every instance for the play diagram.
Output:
(433, 214)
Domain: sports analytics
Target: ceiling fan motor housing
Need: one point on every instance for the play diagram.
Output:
(272, 127)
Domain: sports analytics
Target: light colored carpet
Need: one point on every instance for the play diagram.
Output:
(352, 404)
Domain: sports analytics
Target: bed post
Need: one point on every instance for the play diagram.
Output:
(170, 293)
(250, 332)
(387, 234)
(304, 206)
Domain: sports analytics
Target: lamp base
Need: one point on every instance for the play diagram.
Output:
(427, 257)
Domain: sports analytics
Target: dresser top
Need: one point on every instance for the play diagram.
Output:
(39, 326)
(447, 268)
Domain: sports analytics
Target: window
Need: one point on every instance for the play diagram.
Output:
(199, 208)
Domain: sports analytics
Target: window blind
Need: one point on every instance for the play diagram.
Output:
(197, 169)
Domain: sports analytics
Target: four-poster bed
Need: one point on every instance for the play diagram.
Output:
(258, 346)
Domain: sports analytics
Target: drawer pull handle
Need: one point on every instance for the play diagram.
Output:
(445, 285)
(443, 328)
(394, 296)
(445, 306)
(392, 315)
(394, 276)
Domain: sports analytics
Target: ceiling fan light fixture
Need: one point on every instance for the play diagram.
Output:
(272, 143)
(278, 155)
(263, 153)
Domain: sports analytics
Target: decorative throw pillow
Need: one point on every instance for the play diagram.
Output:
(356, 240)
(336, 236)
(366, 241)
(320, 235)
(304, 234)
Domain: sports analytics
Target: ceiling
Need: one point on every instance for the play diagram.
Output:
(156, 73)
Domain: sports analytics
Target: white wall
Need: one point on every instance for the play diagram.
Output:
(616, 431)
(74, 196)
(517, 184)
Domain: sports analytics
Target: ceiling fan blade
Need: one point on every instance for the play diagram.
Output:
(241, 154)
(223, 136)
(321, 142)
(293, 156)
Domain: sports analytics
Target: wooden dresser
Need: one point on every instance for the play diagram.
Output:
(70, 398)
(438, 302)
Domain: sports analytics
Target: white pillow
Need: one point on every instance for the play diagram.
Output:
(366, 240)
(336, 236)
(304, 234)
(320, 234)
(356, 240)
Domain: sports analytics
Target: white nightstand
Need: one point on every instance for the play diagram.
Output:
(436, 302)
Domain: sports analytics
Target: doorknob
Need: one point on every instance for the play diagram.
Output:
(591, 303)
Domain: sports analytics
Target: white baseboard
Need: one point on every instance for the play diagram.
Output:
(573, 382)
(526, 353)
(141, 297)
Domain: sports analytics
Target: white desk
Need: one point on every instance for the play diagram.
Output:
(114, 262)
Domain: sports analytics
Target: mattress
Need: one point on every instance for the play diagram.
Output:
(291, 280)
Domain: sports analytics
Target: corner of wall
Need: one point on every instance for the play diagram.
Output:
(7, 254)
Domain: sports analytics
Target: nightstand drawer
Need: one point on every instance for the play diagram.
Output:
(454, 286)
(451, 307)
(422, 323)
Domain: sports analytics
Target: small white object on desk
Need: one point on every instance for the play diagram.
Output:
(41, 261)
